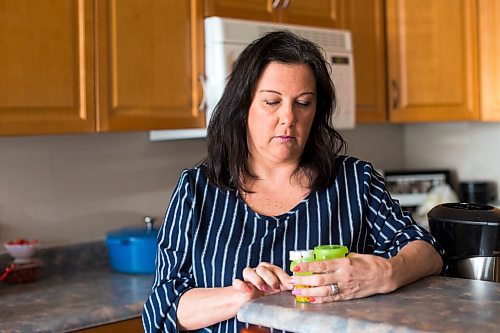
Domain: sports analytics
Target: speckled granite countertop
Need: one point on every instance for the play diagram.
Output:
(435, 304)
(72, 298)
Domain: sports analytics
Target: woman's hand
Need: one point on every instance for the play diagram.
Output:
(356, 276)
(362, 275)
(265, 279)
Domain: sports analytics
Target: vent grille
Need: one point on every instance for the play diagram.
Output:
(242, 32)
(328, 40)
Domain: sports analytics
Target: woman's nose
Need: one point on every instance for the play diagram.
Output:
(287, 115)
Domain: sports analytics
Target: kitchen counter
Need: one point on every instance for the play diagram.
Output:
(72, 298)
(434, 304)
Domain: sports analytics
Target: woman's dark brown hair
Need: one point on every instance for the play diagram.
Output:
(226, 137)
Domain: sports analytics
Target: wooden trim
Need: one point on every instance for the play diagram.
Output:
(489, 46)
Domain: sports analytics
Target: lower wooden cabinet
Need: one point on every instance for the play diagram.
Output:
(126, 326)
(255, 329)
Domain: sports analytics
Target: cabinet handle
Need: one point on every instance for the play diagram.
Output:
(395, 94)
(203, 102)
(275, 4)
(285, 4)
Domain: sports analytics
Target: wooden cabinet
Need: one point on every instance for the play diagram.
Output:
(366, 20)
(433, 60)
(149, 61)
(76, 66)
(489, 52)
(126, 326)
(46, 66)
(260, 10)
(320, 13)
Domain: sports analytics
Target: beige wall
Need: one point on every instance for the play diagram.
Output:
(74, 188)
(383, 145)
(472, 150)
(69, 189)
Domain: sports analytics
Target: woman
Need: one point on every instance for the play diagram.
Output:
(273, 182)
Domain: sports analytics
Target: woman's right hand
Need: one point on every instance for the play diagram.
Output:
(265, 279)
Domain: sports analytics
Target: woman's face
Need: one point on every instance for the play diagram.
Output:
(281, 113)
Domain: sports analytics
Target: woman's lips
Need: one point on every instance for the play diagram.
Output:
(285, 138)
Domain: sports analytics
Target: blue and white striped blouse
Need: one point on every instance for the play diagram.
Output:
(209, 236)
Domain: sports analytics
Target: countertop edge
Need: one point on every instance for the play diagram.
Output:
(289, 320)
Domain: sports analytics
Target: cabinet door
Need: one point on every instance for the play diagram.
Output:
(149, 62)
(126, 326)
(489, 50)
(366, 21)
(260, 10)
(432, 59)
(319, 13)
(46, 66)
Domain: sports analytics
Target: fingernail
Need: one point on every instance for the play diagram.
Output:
(312, 299)
(296, 292)
(296, 269)
(291, 281)
(263, 287)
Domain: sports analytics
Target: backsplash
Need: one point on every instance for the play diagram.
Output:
(74, 188)
(66, 259)
(71, 189)
(472, 150)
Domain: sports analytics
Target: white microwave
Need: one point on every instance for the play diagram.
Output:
(225, 38)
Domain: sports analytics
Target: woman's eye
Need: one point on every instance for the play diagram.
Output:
(271, 102)
(303, 103)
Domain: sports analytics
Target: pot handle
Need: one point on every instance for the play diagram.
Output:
(149, 223)
(7, 271)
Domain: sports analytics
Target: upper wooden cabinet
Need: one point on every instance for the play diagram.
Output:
(433, 60)
(366, 20)
(149, 60)
(260, 10)
(489, 51)
(73, 66)
(319, 13)
(46, 66)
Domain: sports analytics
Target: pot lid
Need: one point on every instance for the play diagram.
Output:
(130, 233)
(133, 233)
(465, 213)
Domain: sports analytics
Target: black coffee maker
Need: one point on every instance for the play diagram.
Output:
(470, 234)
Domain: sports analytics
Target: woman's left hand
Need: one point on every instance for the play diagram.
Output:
(356, 276)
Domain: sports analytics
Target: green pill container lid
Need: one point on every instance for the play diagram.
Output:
(322, 252)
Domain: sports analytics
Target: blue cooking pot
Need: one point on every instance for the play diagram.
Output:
(133, 250)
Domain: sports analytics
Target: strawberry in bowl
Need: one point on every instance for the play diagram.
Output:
(21, 249)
